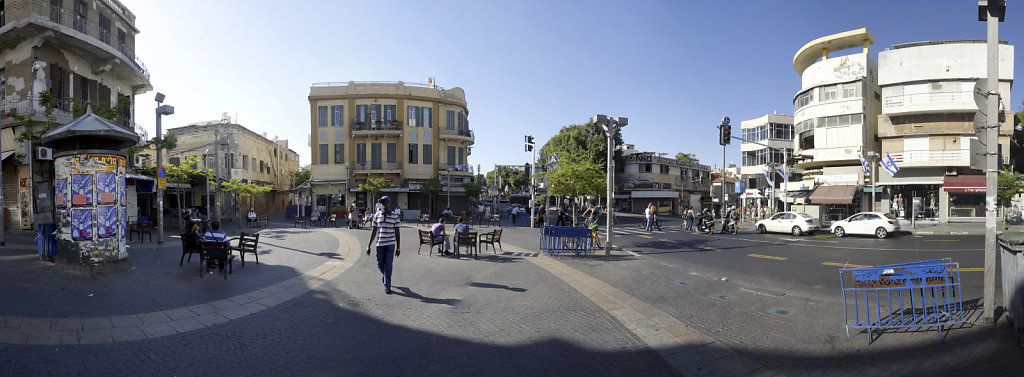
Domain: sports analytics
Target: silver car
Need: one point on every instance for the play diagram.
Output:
(796, 223)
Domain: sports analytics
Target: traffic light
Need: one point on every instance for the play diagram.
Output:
(726, 134)
(529, 143)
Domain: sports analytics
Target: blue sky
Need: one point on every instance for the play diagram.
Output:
(674, 68)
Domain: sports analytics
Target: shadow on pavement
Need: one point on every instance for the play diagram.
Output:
(497, 286)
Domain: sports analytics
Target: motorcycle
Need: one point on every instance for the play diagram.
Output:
(731, 227)
(706, 225)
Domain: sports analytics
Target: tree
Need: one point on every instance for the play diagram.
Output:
(588, 140)
(244, 190)
(512, 180)
(431, 188)
(575, 177)
(183, 172)
(687, 157)
(302, 176)
(373, 186)
(473, 190)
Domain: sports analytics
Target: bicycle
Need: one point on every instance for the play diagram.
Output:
(655, 224)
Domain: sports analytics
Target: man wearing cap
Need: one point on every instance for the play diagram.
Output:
(386, 225)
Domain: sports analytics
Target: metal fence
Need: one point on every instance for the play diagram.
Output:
(558, 240)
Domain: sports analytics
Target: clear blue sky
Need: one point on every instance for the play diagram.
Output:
(674, 68)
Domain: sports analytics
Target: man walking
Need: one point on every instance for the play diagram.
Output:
(386, 225)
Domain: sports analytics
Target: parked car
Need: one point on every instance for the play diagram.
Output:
(878, 223)
(796, 223)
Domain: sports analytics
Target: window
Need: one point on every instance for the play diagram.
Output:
(254, 163)
(339, 153)
(462, 121)
(105, 29)
(426, 120)
(323, 156)
(428, 154)
(462, 156)
(121, 44)
(392, 153)
(245, 162)
(829, 93)
(803, 100)
(414, 153)
(390, 112)
(645, 168)
(850, 90)
(374, 113)
(262, 166)
(56, 6)
(322, 116)
(412, 116)
(361, 111)
(451, 155)
(361, 153)
(337, 116)
(80, 19)
(450, 120)
(664, 169)
(174, 160)
(375, 156)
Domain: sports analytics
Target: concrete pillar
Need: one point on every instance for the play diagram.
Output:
(943, 206)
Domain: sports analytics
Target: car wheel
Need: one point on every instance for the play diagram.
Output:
(839, 232)
(761, 229)
(881, 232)
(797, 231)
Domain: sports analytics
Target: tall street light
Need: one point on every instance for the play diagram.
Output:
(873, 157)
(610, 126)
(161, 109)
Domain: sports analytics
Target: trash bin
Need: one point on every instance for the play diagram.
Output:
(46, 241)
(1011, 259)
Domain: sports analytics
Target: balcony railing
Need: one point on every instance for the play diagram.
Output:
(62, 110)
(456, 168)
(924, 99)
(456, 132)
(931, 157)
(377, 166)
(376, 126)
(67, 18)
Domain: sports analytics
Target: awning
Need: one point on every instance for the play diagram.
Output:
(842, 194)
(964, 183)
(6, 154)
(138, 177)
(639, 194)
(798, 197)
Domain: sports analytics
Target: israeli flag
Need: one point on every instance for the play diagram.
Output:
(767, 175)
(863, 163)
(889, 165)
(782, 171)
(554, 158)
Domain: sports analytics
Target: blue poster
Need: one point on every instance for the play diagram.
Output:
(60, 197)
(106, 187)
(106, 223)
(122, 191)
(81, 224)
(124, 220)
(81, 190)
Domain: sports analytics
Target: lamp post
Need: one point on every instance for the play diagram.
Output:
(610, 125)
(873, 156)
(161, 109)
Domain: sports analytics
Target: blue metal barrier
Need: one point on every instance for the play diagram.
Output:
(46, 241)
(557, 240)
(918, 294)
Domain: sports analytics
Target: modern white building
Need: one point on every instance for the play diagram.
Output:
(771, 144)
(835, 114)
(926, 126)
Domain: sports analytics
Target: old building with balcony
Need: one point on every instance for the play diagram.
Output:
(58, 57)
(835, 115)
(403, 132)
(927, 127)
(767, 146)
(669, 184)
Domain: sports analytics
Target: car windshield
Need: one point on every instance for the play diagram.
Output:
(804, 215)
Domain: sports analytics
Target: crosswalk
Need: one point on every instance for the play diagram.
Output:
(636, 231)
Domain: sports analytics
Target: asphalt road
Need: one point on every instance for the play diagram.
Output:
(807, 266)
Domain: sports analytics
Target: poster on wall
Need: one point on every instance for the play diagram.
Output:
(122, 191)
(60, 188)
(106, 187)
(106, 223)
(81, 190)
(123, 221)
(81, 224)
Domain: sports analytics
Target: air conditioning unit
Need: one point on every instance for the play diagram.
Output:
(950, 170)
(44, 153)
(136, 160)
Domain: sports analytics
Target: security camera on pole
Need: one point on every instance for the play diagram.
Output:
(533, 169)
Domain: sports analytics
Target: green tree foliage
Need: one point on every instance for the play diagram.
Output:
(575, 177)
(687, 157)
(588, 140)
(243, 190)
(302, 176)
(373, 186)
(1017, 140)
(184, 172)
(431, 188)
(473, 190)
(512, 180)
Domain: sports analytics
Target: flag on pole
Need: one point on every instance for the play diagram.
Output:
(889, 165)
(863, 163)
(767, 175)
(782, 171)
(553, 162)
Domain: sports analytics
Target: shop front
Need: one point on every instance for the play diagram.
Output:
(966, 197)
(837, 201)
(667, 202)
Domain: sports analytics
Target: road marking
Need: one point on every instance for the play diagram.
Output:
(847, 265)
(665, 240)
(940, 240)
(971, 269)
(707, 248)
(766, 256)
(644, 236)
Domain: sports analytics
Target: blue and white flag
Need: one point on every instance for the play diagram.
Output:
(863, 163)
(767, 175)
(889, 165)
(554, 158)
(782, 171)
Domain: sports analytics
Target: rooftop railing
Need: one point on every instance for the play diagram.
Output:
(347, 83)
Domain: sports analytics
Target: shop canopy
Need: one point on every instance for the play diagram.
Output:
(964, 183)
(834, 194)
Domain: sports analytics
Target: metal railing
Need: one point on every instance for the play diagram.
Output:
(461, 168)
(67, 18)
(376, 126)
(931, 156)
(456, 132)
(364, 83)
(966, 97)
(62, 111)
(377, 165)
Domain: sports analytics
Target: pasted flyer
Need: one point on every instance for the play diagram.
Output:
(122, 191)
(106, 185)
(81, 224)
(60, 198)
(107, 221)
(81, 190)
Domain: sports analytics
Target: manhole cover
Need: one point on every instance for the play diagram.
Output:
(780, 312)
(650, 272)
(679, 283)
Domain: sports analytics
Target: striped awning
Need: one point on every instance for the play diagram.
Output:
(139, 177)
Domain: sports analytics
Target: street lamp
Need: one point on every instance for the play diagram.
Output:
(610, 125)
(873, 156)
(161, 110)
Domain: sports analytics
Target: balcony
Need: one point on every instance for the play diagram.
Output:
(378, 128)
(329, 172)
(456, 169)
(377, 167)
(465, 135)
(63, 111)
(926, 102)
(927, 158)
(104, 50)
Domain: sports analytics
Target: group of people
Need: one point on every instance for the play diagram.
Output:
(439, 233)
(194, 230)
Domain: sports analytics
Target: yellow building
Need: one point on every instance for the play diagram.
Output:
(403, 132)
(73, 54)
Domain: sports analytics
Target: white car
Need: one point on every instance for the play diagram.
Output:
(796, 223)
(878, 223)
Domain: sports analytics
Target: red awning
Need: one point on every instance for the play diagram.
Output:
(963, 183)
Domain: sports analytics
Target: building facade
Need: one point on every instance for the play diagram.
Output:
(770, 146)
(242, 154)
(58, 57)
(669, 184)
(927, 127)
(403, 132)
(835, 116)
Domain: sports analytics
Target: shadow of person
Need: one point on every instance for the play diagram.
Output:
(496, 286)
(405, 291)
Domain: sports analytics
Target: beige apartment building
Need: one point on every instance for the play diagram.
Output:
(669, 184)
(403, 132)
(240, 154)
(74, 53)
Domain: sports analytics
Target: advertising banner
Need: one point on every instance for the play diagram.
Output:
(81, 224)
(106, 226)
(60, 188)
(81, 190)
(106, 187)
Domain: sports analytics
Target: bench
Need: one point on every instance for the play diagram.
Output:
(468, 241)
(427, 238)
(424, 219)
(190, 245)
(491, 239)
(494, 219)
(219, 252)
(140, 228)
(557, 240)
(263, 222)
(332, 220)
(299, 221)
(247, 243)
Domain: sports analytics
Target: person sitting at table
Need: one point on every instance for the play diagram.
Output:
(315, 216)
(438, 234)
(251, 217)
(214, 234)
(460, 228)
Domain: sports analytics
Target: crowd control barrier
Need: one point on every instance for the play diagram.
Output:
(909, 295)
(46, 241)
(558, 240)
